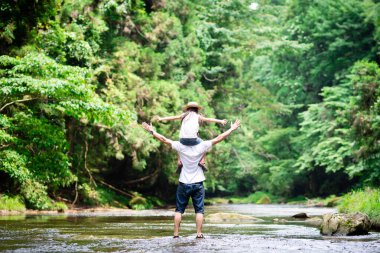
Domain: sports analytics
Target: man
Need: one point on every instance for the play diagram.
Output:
(191, 177)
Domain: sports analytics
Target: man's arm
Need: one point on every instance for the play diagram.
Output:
(224, 135)
(220, 121)
(156, 135)
(169, 118)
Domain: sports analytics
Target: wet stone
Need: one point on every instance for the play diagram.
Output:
(300, 216)
(230, 217)
(345, 224)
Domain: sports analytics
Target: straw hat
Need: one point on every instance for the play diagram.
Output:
(192, 104)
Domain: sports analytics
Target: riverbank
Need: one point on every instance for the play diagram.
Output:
(152, 231)
(67, 211)
(267, 198)
(365, 201)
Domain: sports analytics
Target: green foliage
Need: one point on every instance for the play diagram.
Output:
(14, 164)
(257, 197)
(35, 195)
(89, 194)
(325, 127)
(365, 120)
(140, 203)
(110, 198)
(78, 77)
(17, 19)
(38, 97)
(315, 23)
(11, 203)
(60, 206)
(99, 196)
(366, 201)
(339, 131)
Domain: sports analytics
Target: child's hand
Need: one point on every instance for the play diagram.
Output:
(147, 127)
(156, 118)
(224, 121)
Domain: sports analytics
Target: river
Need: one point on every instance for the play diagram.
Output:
(151, 231)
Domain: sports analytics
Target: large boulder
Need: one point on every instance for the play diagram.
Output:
(345, 224)
(231, 217)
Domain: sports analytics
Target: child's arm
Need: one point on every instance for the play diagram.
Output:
(169, 118)
(220, 121)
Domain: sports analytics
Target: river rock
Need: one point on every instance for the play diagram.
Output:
(345, 224)
(300, 216)
(230, 217)
(277, 220)
(315, 221)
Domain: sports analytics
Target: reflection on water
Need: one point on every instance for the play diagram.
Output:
(151, 231)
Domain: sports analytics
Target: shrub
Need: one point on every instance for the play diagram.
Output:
(262, 198)
(36, 196)
(60, 206)
(11, 203)
(366, 201)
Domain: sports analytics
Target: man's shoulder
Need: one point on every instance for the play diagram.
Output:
(205, 145)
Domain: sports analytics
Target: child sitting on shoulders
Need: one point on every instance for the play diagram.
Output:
(188, 134)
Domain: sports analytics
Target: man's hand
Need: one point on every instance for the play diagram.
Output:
(235, 125)
(147, 127)
(224, 121)
(156, 135)
(224, 135)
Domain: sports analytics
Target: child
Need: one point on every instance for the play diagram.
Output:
(188, 134)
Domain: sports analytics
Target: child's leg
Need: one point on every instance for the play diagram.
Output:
(203, 160)
(179, 165)
(202, 163)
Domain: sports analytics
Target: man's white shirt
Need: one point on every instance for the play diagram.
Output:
(190, 157)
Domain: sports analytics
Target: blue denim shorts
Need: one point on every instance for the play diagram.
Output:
(197, 193)
(190, 141)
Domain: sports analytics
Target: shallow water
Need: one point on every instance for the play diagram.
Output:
(151, 231)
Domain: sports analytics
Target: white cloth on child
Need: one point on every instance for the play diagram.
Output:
(190, 126)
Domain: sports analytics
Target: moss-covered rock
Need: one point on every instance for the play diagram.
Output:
(345, 224)
(264, 200)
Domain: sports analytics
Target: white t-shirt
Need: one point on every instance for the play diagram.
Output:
(190, 126)
(190, 157)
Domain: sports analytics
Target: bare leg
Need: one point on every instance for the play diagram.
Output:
(179, 163)
(199, 222)
(179, 166)
(177, 223)
(202, 163)
(203, 160)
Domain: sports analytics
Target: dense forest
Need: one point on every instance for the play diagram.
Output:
(78, 76)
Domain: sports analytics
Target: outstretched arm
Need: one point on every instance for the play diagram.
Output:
(169, 118)
(156, 135)
(224, 135)
(220, 121)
